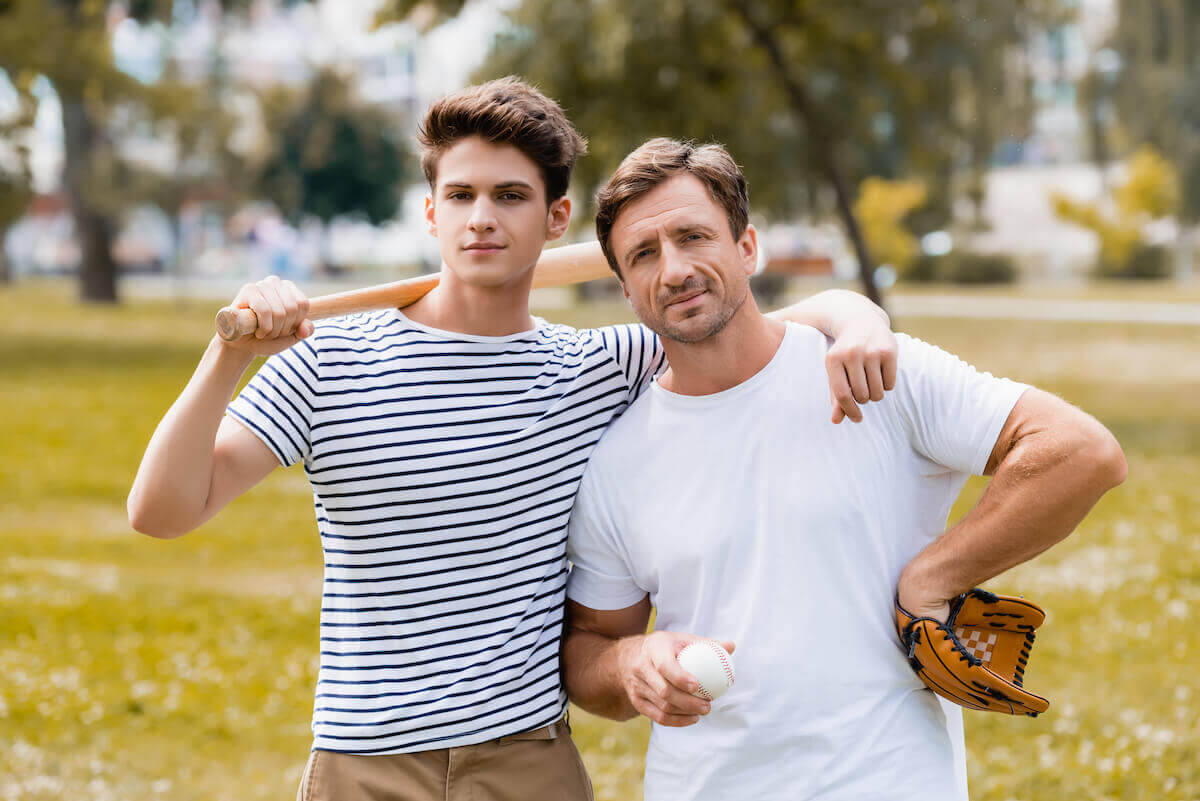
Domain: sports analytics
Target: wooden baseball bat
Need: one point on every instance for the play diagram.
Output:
(571, 264)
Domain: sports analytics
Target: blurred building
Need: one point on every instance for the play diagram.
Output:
(1056, 60)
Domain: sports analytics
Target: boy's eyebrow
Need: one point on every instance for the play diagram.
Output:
(501, 185)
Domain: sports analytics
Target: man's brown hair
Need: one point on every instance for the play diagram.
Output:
(659, 160)
(506, 111)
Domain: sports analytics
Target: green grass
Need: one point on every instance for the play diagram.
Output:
(140, 669)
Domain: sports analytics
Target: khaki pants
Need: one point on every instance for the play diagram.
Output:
(541, 765)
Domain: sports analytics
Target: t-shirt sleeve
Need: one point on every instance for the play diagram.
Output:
(954, 413)
(600, 568)
(636, 350)
(277, 404)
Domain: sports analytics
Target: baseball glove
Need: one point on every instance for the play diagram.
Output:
(976, 658)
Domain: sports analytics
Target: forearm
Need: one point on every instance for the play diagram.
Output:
(171, 492)
(591, 668)
(830, 311)
(1040, 492)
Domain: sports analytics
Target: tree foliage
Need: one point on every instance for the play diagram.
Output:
(809, 96)
(68, 42)
(1157, 90)
(332, 154)
(1150, 191)
(882, 206)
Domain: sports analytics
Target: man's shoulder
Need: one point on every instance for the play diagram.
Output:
(627, 438)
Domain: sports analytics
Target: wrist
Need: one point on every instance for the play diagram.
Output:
(227, 355)
(627, 652)
(920, 593)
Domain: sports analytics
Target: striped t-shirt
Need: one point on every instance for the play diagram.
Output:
(443, 468)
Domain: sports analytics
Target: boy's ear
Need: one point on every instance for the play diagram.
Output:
(558, 217)
(429, 218)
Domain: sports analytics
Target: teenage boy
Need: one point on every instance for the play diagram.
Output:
(444, 444)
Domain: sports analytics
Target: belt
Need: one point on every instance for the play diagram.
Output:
(559, 728)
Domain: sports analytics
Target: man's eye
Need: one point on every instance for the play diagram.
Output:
(642, 252)
(459, 196)
(512, 196)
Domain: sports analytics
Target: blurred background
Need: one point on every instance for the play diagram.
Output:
(1015, 180)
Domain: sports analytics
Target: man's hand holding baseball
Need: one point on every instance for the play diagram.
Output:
(655, 683)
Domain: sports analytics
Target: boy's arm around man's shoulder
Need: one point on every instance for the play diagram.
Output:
(861, 362)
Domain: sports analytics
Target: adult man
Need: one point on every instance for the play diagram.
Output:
(444, 445)
(742, 517)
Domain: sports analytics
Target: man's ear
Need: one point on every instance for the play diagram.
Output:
(748, 249)
(429, 218)
(558, 217)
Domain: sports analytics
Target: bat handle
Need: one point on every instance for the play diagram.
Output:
(235, 323)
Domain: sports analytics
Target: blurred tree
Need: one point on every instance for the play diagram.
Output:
(15, 179)
(1157, 85)
(810, 96)
(1149, 192)
(333, 154)
(882, 206)
(69, 43)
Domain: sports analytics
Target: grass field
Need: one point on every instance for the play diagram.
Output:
(139, 669)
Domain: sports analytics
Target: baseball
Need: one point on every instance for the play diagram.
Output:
(711, 665)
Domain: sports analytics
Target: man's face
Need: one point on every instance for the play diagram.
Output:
(681, 268)
(488, 211)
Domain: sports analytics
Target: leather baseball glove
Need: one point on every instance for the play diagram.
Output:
(976, 658)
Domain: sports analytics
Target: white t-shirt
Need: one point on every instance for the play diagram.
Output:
(747, 516)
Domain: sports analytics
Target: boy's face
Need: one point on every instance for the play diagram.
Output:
(489, 213)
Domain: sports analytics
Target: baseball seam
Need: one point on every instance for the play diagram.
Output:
(720, 652)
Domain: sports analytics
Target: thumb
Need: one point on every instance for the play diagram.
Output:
(727, 645)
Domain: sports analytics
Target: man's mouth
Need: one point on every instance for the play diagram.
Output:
(685, 298)
(484, 247)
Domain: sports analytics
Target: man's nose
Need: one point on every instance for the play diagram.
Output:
(676, 267)
(483, 216)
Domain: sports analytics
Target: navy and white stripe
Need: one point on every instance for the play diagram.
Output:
(443, 468)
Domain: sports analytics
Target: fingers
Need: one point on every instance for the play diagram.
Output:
(658, 687)
(888, 367)
(859, 374)
(840, 390)
(281, 309)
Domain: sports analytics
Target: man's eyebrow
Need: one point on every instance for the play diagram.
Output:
(699, 228)
(634, 248)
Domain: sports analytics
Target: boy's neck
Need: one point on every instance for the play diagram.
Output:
(492, 311)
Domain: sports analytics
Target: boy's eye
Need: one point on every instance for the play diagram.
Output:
(511, 196)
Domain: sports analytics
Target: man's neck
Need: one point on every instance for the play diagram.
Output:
(737, 353)
(494, 311)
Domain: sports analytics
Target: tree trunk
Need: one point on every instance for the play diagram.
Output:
(93, 229)
(824, 145)
(5, 273)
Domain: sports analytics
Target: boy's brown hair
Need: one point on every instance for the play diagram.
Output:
(506, 111)
(654, 163)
